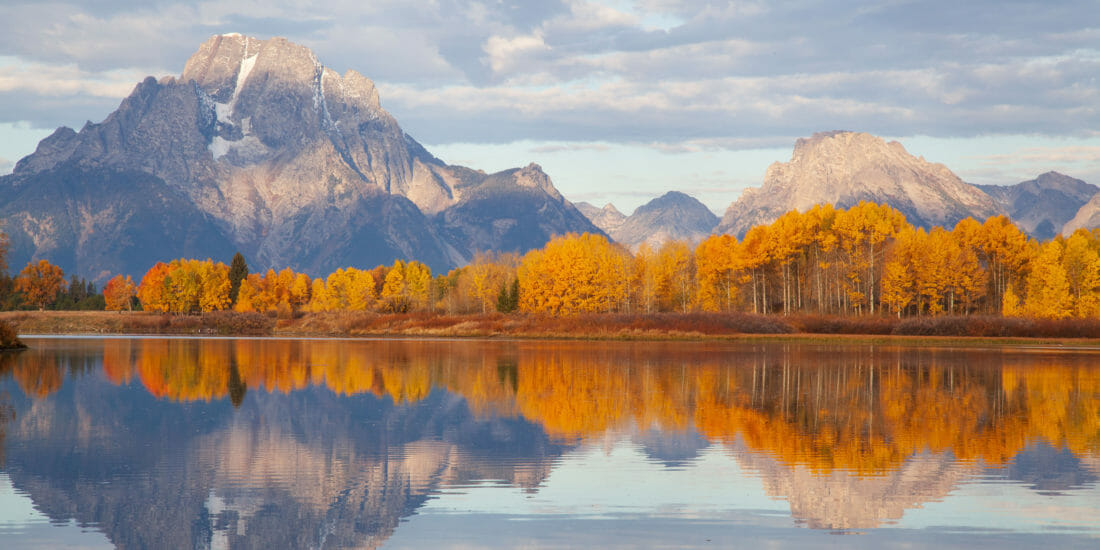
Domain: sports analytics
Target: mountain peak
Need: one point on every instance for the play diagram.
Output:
(281, 158)
(671, 199)
(672, 216)
(843, 168)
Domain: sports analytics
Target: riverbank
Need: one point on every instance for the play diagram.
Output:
(657, 326)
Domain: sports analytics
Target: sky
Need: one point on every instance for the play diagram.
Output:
(620, 101)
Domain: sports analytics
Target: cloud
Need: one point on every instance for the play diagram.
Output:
(1044, 155)
(6, 166)
(569, 147)
(688, 74)
(65, 80)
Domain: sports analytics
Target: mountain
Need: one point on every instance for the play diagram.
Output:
(672, 216)
(509, 211)
(843, 168)
(1087, 217)
(1043, 205)
(265, 150)
(607, 218)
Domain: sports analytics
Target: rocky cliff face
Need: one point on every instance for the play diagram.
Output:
(510, 211)
(608, 218)
(1042, 206)
(279, 157)
(1088, 217)
(843, 168)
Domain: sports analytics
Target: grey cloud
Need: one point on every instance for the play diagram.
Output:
(49, 112)
(725, 74)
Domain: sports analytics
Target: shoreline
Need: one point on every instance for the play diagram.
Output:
(663, 327)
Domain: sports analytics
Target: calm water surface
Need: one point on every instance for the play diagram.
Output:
(259, 443)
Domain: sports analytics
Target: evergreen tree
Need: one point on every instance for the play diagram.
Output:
(502, 299)
(513, 297)
(238, 270)
(508, 299)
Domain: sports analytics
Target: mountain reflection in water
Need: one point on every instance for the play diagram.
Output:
(181, 443)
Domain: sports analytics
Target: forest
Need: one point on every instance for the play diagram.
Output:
(862, 261)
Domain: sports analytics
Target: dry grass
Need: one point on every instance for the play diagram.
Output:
(105, 322)
(617, 326)
(1000, 327)
(842, 324)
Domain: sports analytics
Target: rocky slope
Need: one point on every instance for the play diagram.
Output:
(1042, 206)
(607, 218)
(271, 153)
(1088, 217)
(672, 216)
(843, 168)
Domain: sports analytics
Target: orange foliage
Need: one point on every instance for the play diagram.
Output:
(40, 283)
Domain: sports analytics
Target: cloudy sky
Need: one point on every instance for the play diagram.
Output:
(620, 101)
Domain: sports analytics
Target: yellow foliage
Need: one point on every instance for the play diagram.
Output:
(574, 274)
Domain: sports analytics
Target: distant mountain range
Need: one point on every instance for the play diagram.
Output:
(672, 216)
(843, 168)
(260, 148)
(1043, 206)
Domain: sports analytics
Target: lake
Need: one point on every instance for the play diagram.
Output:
(286, 443)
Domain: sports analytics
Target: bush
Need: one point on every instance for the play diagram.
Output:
(836, 324)
(8, 338)
(990, 326)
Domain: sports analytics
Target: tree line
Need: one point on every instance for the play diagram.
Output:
(863, 260)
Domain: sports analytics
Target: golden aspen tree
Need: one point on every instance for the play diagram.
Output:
(643, 281)
(864, 231)
(934, 265)
(337, 291)
(1005, 251)
(284, 280)
(358, 286)
(1081, 261)
(1048, 288)
(1010, 303)
(418, 280)
(754, 256)
(675, 276)
(714, 270)
(899, 282)
(249, 297)
(970, 280)
(395, 297)
(565, 276)
(825, 257)
(300, 290)
(215, 286)
(789, 236)
(613, 274)
(321, 298)
(485, 275)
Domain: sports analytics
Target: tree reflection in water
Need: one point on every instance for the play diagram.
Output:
(351, 436)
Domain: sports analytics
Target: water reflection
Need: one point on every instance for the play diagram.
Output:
(240, 443)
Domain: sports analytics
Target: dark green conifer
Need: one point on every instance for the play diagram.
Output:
(238, 270)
